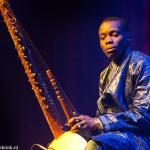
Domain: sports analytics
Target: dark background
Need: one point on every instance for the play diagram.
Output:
(65, 32)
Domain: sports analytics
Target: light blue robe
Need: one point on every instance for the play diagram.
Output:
(124, 104)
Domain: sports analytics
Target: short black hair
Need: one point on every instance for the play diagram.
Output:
(123, 22)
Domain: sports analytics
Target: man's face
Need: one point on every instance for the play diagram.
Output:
(113, 40)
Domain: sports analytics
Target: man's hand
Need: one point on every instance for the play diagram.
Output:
(82, 121)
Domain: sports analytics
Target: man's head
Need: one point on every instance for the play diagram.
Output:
(114, 37)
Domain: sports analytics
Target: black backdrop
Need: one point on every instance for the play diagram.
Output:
(65, 32)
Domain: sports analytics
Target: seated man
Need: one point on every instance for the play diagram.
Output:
(123, 114)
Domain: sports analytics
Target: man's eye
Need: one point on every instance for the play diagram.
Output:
(115, 34)
(102, 37)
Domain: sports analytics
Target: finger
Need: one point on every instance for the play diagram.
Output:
(77, 119)
(71, 121)
(76, 127)
(85, 126)
(82, 117)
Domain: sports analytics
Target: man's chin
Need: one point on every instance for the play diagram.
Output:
(111, 56)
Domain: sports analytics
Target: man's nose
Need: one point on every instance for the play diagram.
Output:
(109, 40)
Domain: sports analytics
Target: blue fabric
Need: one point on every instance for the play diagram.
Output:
(121, 141)
(124, 104)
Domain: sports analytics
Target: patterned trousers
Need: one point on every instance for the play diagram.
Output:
(118, 141)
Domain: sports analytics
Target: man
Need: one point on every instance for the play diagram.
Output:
(123, 114)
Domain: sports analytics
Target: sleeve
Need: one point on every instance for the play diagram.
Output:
(137, 118)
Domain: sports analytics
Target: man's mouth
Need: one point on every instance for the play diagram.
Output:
(111, 49)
